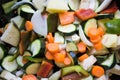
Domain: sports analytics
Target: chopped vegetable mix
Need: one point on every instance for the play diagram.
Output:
(59, 39)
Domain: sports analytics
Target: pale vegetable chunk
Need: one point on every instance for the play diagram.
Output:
(57, 6)
(110, 40)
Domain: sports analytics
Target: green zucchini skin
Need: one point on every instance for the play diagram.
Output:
(103, 16)
(41, 50)
(109, 62)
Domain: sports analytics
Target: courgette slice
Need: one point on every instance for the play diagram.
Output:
(71, 46)
(38, 47)
(74, 4)
(35, 47)
(11, 35)
(26, 12)
(109, 62)
(8, 64)
(2, 51)
(67, 29)
(20, 61)
(32, 68)
(91, 23)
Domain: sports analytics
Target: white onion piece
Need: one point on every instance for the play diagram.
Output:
(39, 23)
(103, 5)
(83, 37)
(55, 76)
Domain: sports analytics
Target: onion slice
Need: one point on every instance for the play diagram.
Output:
(39, 23)
(83, 37)
(103, 5)
(55, 76)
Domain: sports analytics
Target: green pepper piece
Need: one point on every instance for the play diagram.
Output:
(113, 26)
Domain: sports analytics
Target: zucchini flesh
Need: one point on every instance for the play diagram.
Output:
(67, 29)
(91, 23)
(32, 68)
(8, 64)
(109, 62)
(71, 46)
(19, 61)
(2, 52)
(35, 47)
(26, 12)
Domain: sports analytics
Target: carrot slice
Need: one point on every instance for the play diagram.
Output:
(49, 56)
(96, 40)
(101, 31)
(93, 33)
(83, 57)
(29, 77)
(98, 46)
(59, 57)
(81, 47)
(66, 18)
(52, 48)
(50, 38)
(97, 71)
(63, 52)
(67, 61)
(28, 26)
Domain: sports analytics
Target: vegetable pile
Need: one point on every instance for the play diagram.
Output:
(59, 39)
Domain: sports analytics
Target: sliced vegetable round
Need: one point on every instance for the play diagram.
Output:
(67, 29)
(35, 47)
(8, 64)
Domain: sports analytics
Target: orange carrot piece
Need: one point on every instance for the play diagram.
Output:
(93, 33)
(97, 71)
(63, 52)
(59, 57)
(28, 26)
(50, 38)
(66, 18)
(52, 48)
(29, 77)
(81, 47)
(85, 14)
(101, 31)
(83, 57)
(96, 40)
(49, 56)
(98, 46)
(67, 61)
